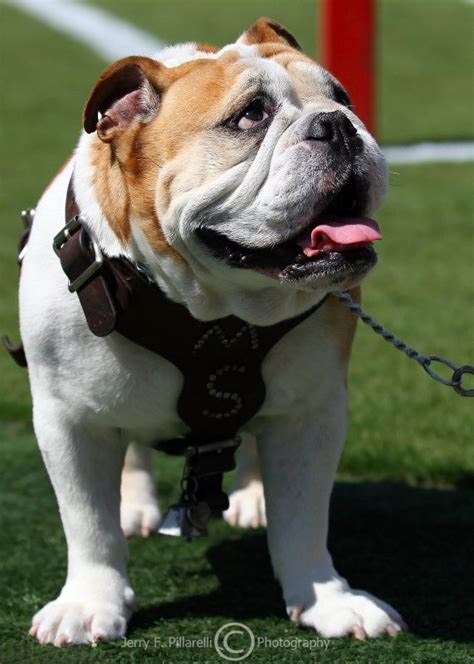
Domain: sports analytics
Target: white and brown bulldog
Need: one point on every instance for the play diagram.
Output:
(243, 181)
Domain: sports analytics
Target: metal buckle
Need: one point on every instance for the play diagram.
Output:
(213, 447)
(60, 240)
(27, 217)
(64, 234)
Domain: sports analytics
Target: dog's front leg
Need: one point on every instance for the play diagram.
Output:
(246, 501)
(139, 510)
(299, 457)
(84, 464)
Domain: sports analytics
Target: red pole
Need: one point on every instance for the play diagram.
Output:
(348, 41)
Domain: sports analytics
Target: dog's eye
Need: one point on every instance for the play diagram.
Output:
(252, 116)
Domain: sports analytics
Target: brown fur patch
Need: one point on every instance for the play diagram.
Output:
(281, 53)
(111, 189)
(207, 48)
(200, 89)
(265, 30)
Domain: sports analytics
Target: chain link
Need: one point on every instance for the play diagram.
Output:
(425, 361)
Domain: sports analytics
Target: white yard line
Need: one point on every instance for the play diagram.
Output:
(421, 153)
(112, 38)
(109, 36)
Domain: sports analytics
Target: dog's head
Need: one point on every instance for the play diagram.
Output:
(245, 166)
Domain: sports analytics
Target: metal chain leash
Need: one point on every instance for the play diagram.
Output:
(426, 361)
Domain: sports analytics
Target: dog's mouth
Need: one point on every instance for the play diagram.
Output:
(338, 241)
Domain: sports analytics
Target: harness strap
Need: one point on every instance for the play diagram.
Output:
(17, 351)
(77, 258)
(75, 249)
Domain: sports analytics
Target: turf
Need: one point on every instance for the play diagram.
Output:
(407, 544)
(403, 508)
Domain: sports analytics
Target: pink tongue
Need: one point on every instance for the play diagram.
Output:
(339, 234)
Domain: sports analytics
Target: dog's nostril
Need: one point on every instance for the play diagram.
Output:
(349, 127)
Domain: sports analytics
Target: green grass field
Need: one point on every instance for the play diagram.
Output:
(402, 509)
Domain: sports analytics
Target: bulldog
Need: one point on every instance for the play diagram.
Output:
(243, 181)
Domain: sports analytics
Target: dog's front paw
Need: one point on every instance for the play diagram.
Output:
(139, 511)
(140, 519)
(349, 613)
(247, 507)
(74, 618)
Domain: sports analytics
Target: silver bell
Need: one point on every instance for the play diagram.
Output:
(186, 521)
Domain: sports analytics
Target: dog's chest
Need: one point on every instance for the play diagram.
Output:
(141, 392)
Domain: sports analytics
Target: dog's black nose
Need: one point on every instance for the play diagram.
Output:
(334, 127)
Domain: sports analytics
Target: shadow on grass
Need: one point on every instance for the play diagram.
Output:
(412, 547)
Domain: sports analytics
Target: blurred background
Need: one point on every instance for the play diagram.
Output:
(404, 427)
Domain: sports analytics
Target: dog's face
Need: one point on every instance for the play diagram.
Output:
(247, 163)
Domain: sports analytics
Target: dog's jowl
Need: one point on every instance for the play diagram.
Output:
(238, 184)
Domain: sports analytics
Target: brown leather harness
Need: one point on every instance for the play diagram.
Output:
(220, 360)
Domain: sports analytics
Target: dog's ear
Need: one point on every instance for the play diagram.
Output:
(267, 30)
(128, 90)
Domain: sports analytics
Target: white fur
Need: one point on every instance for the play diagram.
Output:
(173, 56)
(93, 396)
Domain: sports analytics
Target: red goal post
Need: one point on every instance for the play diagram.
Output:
(348, 51)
